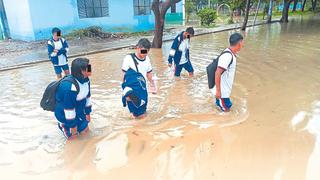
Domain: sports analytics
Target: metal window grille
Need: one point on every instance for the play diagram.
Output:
(142, 7)
(93, 8)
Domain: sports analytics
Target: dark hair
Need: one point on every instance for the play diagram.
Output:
(144, 43)
(78, 65)
(190, 30)
(235, 38)
(55, 30)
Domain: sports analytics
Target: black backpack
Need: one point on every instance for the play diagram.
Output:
(211, 70)
(48, 101)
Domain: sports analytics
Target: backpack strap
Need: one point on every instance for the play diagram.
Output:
(135, 61)
(71, 79)
(225, 52)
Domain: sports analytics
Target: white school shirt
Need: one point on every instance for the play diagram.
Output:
(183, 48)
(228, 75)
(62, 60)
(144, 66)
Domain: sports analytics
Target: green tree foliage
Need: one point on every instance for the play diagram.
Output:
(207, 16)
(190, 8)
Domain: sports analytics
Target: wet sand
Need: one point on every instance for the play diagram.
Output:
(272, 131)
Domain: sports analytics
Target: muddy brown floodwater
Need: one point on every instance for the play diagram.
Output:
(272, 132)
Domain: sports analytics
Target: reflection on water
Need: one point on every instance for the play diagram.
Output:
(173, 164)
(111, 153)
(313, 127)
(277, 76)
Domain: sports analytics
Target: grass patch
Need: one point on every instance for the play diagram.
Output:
(97, 32)
(230, 21)
(135, 34)
(209, 26)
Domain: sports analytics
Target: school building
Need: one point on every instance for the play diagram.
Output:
(33, 19)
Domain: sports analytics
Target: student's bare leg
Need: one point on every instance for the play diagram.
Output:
(188, 67)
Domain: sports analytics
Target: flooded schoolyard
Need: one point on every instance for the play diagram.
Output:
(272, 132)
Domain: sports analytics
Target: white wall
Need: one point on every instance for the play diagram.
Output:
(19, 19)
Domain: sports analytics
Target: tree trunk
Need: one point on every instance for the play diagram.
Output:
(295, 6)
(269, 18)
(158, 32)
(314, 5)
(285, 11)
(245, 21)
(231, 15)
(257, 11)
(303, 5)
(264, 11)
(160, 9)
(159, 23)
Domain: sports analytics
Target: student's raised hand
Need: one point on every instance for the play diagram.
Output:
(170, 65)
(55, 50)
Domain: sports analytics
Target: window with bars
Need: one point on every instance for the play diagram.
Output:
(142, 7)
(93, 8)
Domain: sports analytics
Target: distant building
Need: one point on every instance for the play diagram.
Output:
(33, 19)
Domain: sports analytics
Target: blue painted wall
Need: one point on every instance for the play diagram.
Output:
(66, 17)
(34, 19)
(1, 32)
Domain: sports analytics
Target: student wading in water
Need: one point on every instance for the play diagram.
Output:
(225, 72)
(73, 100)
(179, 53)
(137, 69)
